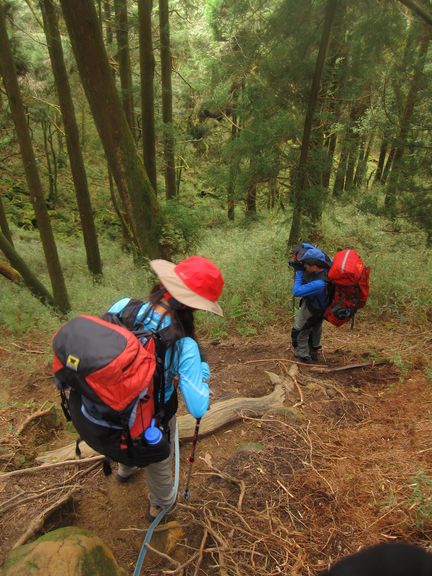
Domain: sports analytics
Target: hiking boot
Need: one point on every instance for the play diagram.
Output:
(155, 510)
(315, 353)
(303, 359)
(124, 473)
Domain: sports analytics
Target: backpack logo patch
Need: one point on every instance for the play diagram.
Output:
(72, 362)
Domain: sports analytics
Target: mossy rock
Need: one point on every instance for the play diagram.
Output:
(69, 550)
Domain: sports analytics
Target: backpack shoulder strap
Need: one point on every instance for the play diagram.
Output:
(130, 312)
(127, 316)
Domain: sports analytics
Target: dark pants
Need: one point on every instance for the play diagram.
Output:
(306, 334)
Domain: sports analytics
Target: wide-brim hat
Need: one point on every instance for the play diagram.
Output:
(195, 282)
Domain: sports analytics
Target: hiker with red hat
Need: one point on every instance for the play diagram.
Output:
(193, 284)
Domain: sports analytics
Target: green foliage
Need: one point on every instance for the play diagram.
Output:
(22, 312)
(183, 227)
(256, 276)
(421, 498)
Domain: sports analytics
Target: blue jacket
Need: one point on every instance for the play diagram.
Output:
(193, 374)
(312, 286)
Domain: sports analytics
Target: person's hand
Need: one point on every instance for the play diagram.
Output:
(295, 264)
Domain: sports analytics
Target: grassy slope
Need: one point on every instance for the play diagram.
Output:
(258, 281)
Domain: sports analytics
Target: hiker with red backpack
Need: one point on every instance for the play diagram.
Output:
(310, 285)
(139, 434)
(330, 289)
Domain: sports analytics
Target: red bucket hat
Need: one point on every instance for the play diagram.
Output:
(195, 282)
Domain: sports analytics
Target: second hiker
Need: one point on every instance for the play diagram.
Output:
(310, 285)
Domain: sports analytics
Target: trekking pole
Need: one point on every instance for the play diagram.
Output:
(191, 460)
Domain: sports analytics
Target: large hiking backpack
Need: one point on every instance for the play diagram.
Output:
(349, 287)
(112, 384)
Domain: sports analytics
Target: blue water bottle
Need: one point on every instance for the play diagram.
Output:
(152, 434)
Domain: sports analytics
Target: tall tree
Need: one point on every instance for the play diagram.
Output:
(126, 166)
(123, 59)
(167, 115)
(29, 278)
(8, 71)
(4, 226)
(147, 68)
(72, 136)
(302, 203)
(399, 146)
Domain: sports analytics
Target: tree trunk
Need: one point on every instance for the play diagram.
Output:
(126, 166)
(351, 163)
(363, 161)
(123, 59)
(390, 198)
(168, 128)
(108, 23)
(31, 281)
(381, 160)
(4, 226)
(8, 71)
(329, 162)
(302, 204)
(339, 183)
(79, 175)
(147, 67)
(251, 197)
(234, 165)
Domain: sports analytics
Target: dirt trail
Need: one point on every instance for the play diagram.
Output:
(292, 491)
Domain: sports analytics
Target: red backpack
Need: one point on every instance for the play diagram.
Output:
(112, 385)
(349, 278)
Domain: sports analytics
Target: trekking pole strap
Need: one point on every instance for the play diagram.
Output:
(163, 512)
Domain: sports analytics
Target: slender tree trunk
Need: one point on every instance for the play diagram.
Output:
(8, 71)
(4, 226)
(329, 163)
(147, 67)
(272, 193)
(390, 197)
(363, 161)
(251, 196)
(108, 23)
(31, 281)
(351, 162)
(127, 168)
(339, 183)
(381, 160)
(302, 183)
(72, 136)
(388, 165)
(168, 136)
(51, 160)
(123, 59)
(234, 165)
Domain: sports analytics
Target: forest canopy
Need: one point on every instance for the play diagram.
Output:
(152, 125)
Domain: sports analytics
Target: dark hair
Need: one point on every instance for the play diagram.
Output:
(182, 317)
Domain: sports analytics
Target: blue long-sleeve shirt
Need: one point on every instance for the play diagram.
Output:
(183, 361)
(315, 290)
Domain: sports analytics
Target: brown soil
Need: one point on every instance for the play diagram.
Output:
(288, 493)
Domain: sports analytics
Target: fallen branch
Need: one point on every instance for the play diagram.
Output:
(38, 522)
(32, 417)
(371, 364)
(219, 414)
(163, 555)
(53, 465)
(10, 273)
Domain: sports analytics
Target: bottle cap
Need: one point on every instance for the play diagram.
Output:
(152, 434)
